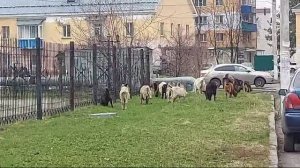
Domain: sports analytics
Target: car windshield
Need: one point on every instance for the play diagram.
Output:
(206, 66)
(296, 82)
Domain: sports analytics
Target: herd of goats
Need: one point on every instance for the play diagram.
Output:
(171, 91)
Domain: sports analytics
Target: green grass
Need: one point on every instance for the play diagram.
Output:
(192, 132)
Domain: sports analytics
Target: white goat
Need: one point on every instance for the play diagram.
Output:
(124, 95)
(160, 87)
(177, 92)
(145, 93)
(199, 85)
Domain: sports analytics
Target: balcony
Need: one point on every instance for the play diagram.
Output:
(249, 27)
(28, 43)
(247, 9)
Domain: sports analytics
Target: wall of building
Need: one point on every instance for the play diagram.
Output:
(12, 23)
(263, 20)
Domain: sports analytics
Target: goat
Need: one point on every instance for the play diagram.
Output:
(155, 88)
(197, 84)
(124, 95)
(247, 87)
(145, 93)
(164, 91)
(211, 90)
(176, 92)
(106, 98)
(229, 89)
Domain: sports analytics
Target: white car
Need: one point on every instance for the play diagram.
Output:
(238, 71)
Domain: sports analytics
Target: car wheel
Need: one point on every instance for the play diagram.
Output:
(217, 81)
(259, 82)
(289, 143)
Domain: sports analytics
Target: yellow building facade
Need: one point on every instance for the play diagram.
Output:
(150, 23)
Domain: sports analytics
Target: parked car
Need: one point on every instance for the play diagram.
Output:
(248, 64)
(258, 78)
(291, 113)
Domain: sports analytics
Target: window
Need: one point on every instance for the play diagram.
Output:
(240, 69)
(219, 2)
(296, 82)
(40, 31)
(247, 37)
(67, 31)
(28, 31)
(220, 37)
(178, 27)
(219, 19)
(225, 68)
(187, 30)
(200, 3)
(162, 24)
(129, 29)
(5, 31)
(203, 37)
(203, 19)
(98, 31)
(172, 28)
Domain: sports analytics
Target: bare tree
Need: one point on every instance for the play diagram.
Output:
(182, 56)
(233, 27)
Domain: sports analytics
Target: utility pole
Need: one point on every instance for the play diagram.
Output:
(274, 39)
(284, 45)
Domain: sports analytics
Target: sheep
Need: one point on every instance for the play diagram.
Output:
(211, 90)
(176, 92)
(124, 95)
(145, 93)
(106, 98)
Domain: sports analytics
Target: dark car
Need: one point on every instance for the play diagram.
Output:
(291, 113)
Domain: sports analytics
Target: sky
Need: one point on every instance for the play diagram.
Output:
(266, 3)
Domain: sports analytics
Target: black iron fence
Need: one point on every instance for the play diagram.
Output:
(53, 78)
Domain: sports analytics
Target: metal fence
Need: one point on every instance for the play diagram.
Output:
(53, 78)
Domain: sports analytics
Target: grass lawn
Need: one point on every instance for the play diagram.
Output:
(192, 132)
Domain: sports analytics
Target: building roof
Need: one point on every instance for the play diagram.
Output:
(62, 7)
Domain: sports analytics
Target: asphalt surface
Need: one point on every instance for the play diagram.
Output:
(286, 159)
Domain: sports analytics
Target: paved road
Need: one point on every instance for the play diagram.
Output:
(291, 159)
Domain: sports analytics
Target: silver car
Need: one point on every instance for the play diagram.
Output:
(238, 71)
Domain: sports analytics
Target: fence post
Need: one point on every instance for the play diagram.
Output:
(95, 76)
(72, 75)
(38, 80)
(114, 66)
(60, 58)
(148, 75)
(129, 82)
(142, 69)
(109, 64)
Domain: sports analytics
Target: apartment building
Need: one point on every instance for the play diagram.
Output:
(263, 24)
(227, 28)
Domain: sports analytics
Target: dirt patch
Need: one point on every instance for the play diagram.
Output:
(244, 152)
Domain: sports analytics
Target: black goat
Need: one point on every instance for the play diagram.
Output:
(155, 88)
(164, 91)
(106, 98)
(211, 90)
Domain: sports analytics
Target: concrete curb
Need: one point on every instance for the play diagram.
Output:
(273, 157)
